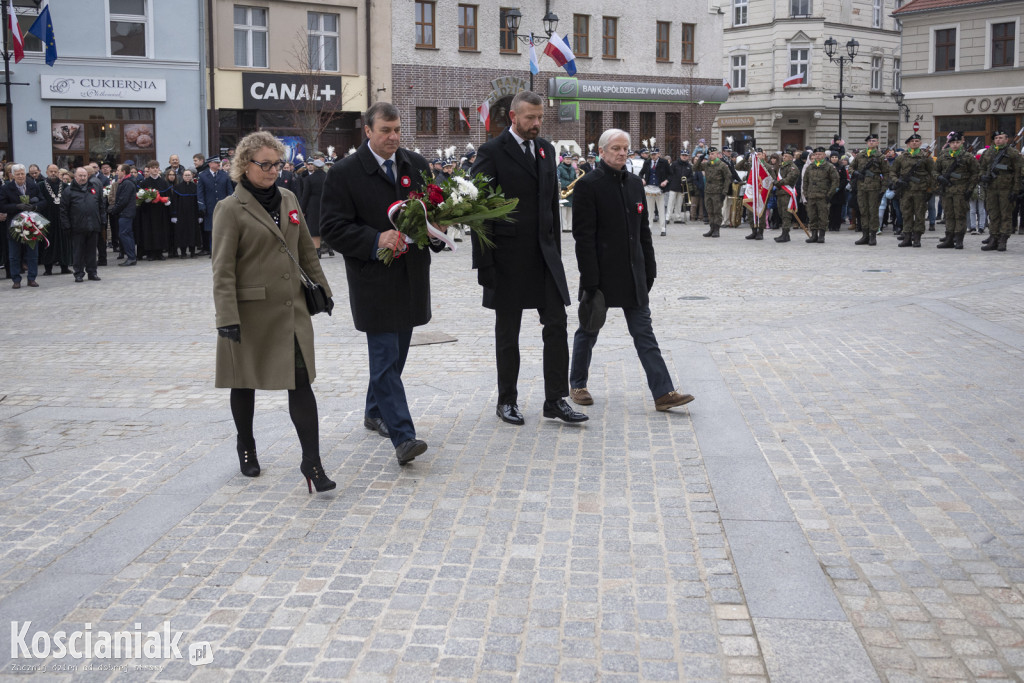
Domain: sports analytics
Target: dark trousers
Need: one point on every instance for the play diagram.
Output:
(385, 396)
(127, 237)
(15, 251)
(101, 245)
(83, 245)
(555, 334)
(638, 322)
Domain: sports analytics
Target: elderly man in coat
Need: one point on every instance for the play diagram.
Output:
(524, 269)
(81, 208)
(387, 301)
(13, 197)
(615, 254)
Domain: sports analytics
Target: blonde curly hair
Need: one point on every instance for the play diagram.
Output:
(246, 149)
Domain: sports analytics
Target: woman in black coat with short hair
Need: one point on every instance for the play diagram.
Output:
(186, 217)
(309, 199)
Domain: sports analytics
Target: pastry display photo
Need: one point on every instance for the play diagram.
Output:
(68, 136)
(138, 135)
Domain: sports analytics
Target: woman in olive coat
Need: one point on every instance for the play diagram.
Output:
(265, 331)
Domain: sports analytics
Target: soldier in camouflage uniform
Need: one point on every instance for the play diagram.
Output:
(870, 171)
(788, 174)
(821, 181)
(717, 182)
(1001, 168)
(757, 224)
(957, 175)
(913, 177)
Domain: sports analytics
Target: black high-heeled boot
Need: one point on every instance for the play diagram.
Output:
(315, 477)
(247, 461)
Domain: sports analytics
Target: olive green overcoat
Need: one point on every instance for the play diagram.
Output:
(257, 286)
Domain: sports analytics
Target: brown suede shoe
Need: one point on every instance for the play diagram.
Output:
(672, 399)
(16, 285)
(33, 283)
(581, 397)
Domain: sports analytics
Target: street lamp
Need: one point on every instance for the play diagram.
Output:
(897, 97)
(851, 49)
(513, 18)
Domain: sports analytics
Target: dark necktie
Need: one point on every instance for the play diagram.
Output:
(388, 172)
(528, 149)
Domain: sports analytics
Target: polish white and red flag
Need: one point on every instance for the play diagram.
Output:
(725, 82)
(17, 40)
(791, 191)
(759, 184)
(465, 119)
(484, 110)
(797, 79)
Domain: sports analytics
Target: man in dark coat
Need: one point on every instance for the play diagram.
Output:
(12, 199)
(616, 257)
(81, 207)
(59, 250)
(524, 269)
(122, 214)
(680, 173)
(387, 301)
(287, 179)
(212, 185)
(312, 189)
(656, 173)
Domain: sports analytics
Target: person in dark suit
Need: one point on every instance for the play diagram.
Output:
(312, 188)
(524, 269)
(13, 202)
(387, 301)
(212, 185)
(615, 254)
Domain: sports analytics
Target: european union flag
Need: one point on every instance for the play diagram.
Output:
(42, 28)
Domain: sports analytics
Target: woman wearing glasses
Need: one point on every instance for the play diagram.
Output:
(265, 331)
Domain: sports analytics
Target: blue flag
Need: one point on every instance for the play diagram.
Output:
(42, 28)
(534, 64)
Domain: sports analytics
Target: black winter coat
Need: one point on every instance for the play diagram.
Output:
(528, 251)
(353, 212)
(662, 168)
(10, 199)
(124, 203)
(614, 249)
(680, 169)
(81, 207)
(309, 199)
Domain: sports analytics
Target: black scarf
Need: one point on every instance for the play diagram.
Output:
(269, 199)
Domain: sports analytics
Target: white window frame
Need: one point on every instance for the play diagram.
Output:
(897, 73)
(134, 18)
(876, 13)
(810, 8)
(321, 37)
(249, 28)
(931, 46)
(988, 40)
(738, 5)
(877, 63)
(32, 12)
(807, 69)
(734, 69)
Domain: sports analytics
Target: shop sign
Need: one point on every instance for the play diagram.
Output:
(503, 86)
(993, 105)
(736, 122)
(615, 91)
(289, 91)
(105, 88)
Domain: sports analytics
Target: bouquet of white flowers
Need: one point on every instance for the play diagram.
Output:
(28, 227)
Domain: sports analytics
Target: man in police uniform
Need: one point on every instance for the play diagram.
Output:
(717, 181)
(913, 178)
(788, 175)
(870, 171)
(1001, 176)
(957, 171)
(821, 181)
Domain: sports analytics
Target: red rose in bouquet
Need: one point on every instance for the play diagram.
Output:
(435, 195)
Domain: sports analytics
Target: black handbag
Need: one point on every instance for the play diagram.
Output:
(316, 295)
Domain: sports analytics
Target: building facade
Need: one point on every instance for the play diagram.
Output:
(962, 67)
(768, 43)
(651, 68)
(301, 70)
(126, 85)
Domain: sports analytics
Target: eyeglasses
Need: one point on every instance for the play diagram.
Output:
(268, 165)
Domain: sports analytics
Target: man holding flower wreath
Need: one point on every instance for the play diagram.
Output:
(18, 195)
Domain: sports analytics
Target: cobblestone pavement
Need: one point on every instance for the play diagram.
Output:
(843, 501)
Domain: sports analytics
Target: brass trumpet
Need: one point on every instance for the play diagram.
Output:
(567, 192)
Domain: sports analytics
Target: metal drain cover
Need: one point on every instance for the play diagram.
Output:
(876, 270)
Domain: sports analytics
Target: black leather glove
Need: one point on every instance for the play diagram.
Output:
(650, 284)
(588, 294)
(487, 277)
(943, 180)
(330, 305)
(232, 332)
(858, 175)
(987, 178)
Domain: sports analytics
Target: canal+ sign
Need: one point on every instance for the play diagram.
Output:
(288, 91)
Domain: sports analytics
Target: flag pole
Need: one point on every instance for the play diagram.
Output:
(7, 88)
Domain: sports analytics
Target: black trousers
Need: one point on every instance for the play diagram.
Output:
(555, 335)
(84, 248)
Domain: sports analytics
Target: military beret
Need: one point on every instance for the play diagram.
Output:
(999, 132)
(870, 137)
(955, 135)
(915, 136)
(819, 149)
(789, 150)
(712, 149)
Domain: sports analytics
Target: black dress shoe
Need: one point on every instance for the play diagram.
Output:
(376, 424)
(79, 278)
(561, 410)
(95, 278)
(509, 412)
(407, 451)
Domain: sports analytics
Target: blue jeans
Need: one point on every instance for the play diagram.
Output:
(15, 250)
(638, 322)
(385, 396)
(127, 237)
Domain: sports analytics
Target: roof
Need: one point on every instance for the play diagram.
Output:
(915, 6)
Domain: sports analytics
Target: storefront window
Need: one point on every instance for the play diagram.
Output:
(112, 135)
